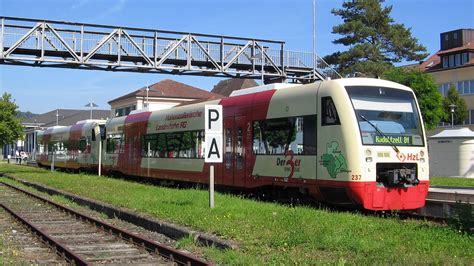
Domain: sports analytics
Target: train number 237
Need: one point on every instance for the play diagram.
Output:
(356, 177)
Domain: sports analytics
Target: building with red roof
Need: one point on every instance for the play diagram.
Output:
(161, 95)
(453, 65)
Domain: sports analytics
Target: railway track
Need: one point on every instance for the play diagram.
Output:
(439, 207)
(19, 246)
(84, 240)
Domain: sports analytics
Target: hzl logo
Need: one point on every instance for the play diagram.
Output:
(408, 157)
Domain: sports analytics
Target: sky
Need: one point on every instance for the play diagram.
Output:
(40, 90)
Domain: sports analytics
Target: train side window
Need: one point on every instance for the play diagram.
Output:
(280, 135)
(40, 148)
(173, 143)
(228, 148)
(115, 143)
(240, 149)
(50, 147)
(103, 133)
(93, 135)
(274, 136)
(309, 135)
(149, 145)
(161, 151)
(82, 144)
(200, 144)
(188, 145)
(121, 144)
(257, 139)
(329, 114)
(109, 148)
(88, 144)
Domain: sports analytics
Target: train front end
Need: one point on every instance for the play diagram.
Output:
(387, 157)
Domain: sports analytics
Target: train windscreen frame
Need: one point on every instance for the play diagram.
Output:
(386, 116)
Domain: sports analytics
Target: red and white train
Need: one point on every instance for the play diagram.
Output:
(351, 141)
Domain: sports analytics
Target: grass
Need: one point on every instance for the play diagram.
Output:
(271, 233)
(3, 247)
(9, 254)
(452, 181)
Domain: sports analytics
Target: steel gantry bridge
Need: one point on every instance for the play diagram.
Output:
(45, 43)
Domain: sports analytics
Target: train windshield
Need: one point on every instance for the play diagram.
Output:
(386, 116)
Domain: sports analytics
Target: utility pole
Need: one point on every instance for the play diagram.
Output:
(147, 103)
(314, 39)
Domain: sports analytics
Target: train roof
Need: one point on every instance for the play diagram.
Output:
(370, 82)
(79, 126)
(273, 86)
(284, 93)
(98, 121)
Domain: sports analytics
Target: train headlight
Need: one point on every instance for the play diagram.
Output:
(422, 160)
(368, 159)
(422, 153)
(368, 152)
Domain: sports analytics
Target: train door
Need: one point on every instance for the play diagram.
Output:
(132, 149)
(234, 151)
(134, 155)
(228, 162)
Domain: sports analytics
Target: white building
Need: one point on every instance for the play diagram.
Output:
(452, 153)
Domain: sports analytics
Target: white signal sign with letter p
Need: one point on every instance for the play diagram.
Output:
(213, 132)
(213, 119)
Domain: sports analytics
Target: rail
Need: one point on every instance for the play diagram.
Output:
(167, 252)
(73, 258)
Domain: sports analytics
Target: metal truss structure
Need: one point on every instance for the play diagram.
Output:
(45, 43)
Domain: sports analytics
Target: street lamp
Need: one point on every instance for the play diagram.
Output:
(453, 106)
(57, 117)
(91, 105)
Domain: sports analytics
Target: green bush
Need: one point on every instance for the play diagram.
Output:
(461, 218)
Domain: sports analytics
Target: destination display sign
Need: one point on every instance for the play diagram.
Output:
(400, 140)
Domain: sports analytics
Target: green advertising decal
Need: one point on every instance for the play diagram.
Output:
(333, 159)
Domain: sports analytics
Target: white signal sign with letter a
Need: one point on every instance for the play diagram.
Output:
(213, 132)
(213, 148)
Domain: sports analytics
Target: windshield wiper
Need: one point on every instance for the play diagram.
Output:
(395, 148)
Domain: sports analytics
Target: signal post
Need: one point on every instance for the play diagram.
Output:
(214, 143)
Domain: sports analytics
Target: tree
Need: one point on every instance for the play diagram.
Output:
(10, 126)
(375, 41)
(426, 91)
(460, 111)
(25, 115)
